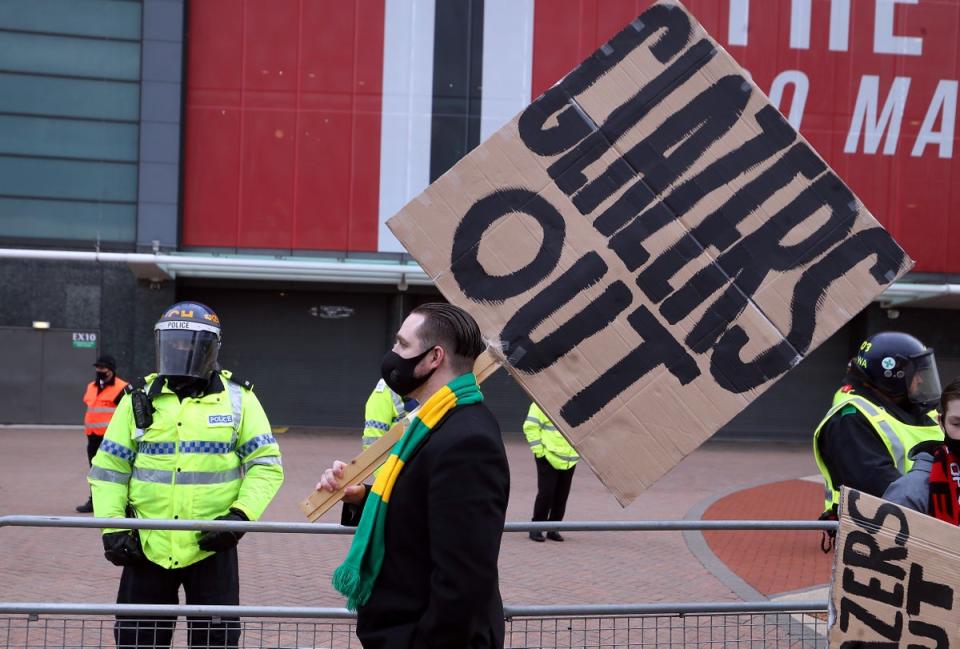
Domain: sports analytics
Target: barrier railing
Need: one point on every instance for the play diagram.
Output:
(795, 624)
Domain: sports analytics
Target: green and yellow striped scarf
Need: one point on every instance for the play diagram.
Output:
(355, 578)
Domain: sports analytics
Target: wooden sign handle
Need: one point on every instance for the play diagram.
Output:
(362, 466)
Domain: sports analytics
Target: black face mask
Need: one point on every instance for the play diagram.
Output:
(952, 444)
(187, 386)
(397, 372)
(102, 376)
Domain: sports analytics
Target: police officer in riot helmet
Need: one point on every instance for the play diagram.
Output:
(187, 349)
(884, 409)
(191, 441)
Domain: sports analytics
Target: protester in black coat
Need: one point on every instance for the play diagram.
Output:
(438, 586)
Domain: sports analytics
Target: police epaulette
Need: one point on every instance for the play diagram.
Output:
(137, 384)
(239, 380)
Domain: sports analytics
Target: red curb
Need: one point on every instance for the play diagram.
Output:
(772, 561)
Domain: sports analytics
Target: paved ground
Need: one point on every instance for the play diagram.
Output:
(42, 472)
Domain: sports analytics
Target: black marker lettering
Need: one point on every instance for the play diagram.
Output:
(658, 348)
(925, 630)
(474, 281)
(735, 375)
(719, 228)
(528, 356)
(750, 261)
(687, 133)
(889, 631)
(871, 556)
(557, 103)
(872, 590)
(568, 171)
(931, 592)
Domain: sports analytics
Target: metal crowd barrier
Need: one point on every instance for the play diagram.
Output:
(705, 625)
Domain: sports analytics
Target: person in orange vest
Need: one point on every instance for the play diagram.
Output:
(102, 396)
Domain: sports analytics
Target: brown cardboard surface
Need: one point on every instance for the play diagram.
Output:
(896, 576)
(649, 246)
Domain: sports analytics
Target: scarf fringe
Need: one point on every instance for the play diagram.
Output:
(346, 579)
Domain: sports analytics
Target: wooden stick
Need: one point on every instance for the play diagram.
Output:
(362, 467)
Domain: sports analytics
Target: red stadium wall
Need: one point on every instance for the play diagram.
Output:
(282, 138)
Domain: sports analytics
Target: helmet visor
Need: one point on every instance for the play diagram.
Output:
(923, 387)
(186, 352)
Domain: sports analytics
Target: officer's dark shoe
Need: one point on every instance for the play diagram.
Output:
(86, 508)
(537, 536)
(554, 536)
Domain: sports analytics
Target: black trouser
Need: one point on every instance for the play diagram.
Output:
(93, 445)
(215, 580)
(553, 487)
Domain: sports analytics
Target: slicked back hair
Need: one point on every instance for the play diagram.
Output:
(453, 329)
(950, 393)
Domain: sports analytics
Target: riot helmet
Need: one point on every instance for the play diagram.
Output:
(901, 367)
(187, 340)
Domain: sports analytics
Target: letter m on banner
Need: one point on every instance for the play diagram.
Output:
(649, 246)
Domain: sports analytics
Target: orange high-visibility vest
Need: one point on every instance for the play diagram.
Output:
(100, 406)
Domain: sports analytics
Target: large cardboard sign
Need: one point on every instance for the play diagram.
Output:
(649, 245)
(896, 577)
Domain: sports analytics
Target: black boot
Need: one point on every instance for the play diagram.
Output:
(86, 508)
(537, 536)
(554, 536)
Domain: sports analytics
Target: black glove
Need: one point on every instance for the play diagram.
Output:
(217, 541)
(123, 548)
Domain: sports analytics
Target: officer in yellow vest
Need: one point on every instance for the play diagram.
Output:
(101, 398)
(884, 409)
(556, 460)
(383, 409)
(190, 442)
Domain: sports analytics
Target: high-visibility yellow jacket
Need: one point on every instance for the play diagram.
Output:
(197, 460)
(897, 436)
(546, 441)
(384, 409)
(101, 404)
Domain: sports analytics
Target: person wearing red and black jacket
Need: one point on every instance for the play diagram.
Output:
(101, 398)
(930, 487)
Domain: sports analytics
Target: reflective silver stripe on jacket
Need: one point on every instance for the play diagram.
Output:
(896, 446)
(262, 460)
(186, 477)
(870, 409)
(533, 420)
(398, 404)
(208, 477)
(153, 475)
(236, 403)
(566, 458)
(98, 473)
(368, 439)
(100, 425)
(101, 409)
(549, 427)
(536, 443)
